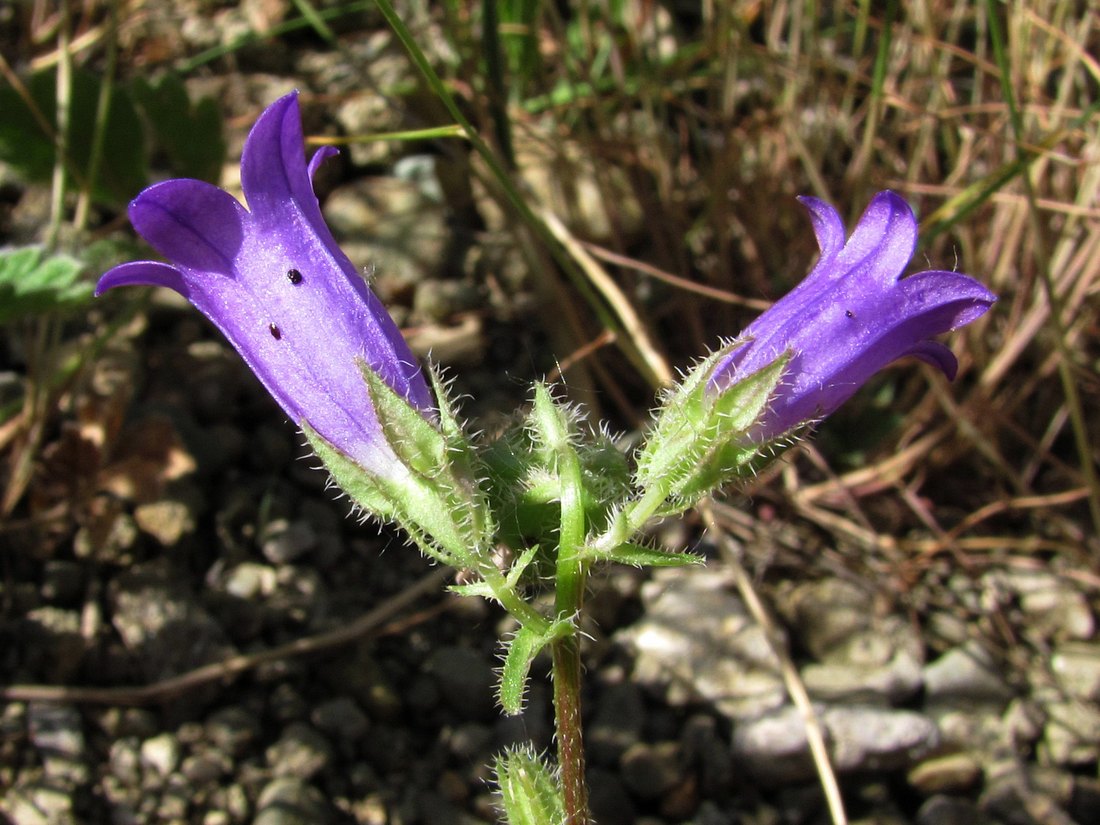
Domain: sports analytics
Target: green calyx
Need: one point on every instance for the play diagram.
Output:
(529, 793)
(699, 440)
(432, 490)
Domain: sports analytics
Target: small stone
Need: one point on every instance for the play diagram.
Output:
(175, 800)
(1022, 724)
(203, 768)
(860, 738)
(233, 730)
(57, 732)
(698, 642)
(1071, 735)
(250, 580)
(38, 805)
(291, 801)
(300, 752)
(649, 770)
(285, 541)
(124, 759)
(1053, 607)
(161, 753)
(949, 773)
(466, 681)
(167, 521)
(827, 613)
(888, 684)
(966, 673)
(1077, 669)
(341, 717)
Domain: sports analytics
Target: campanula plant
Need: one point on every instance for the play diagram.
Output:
(533, 509)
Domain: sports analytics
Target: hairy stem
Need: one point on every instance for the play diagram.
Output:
(567, 722)
(569, 582)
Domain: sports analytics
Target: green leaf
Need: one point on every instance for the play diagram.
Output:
(191, 135)
(522, 650)
(31, 286)
(511, 579)
(26, 136)
(638, 555)
(529, 793)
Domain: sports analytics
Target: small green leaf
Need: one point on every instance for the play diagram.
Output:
(529, 793)
(638, 555)
(514, 574)
(522, 650)
(191, 135)
(31, 286)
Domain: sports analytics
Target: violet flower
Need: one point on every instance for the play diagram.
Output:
(273, 280)
(852, 316)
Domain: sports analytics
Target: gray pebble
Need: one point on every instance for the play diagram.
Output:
(57, 733)
(617, 724)
(301, 751)
(465, 680)
(650, 770)
(291, 801)
(965, 673)
(233, 730)
(342, 718)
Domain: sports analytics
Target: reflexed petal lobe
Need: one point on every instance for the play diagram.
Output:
(191, 222)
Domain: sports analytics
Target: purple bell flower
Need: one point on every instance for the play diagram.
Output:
(852, 315)
(273, 280)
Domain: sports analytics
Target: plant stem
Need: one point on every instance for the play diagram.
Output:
(567, 721)
(569, 584)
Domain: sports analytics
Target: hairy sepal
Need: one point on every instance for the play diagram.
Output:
(698, 441)
(430, 491)
(529, 793)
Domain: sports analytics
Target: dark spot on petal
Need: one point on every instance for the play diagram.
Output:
(294, 276)
(849, 313)
(276, 333)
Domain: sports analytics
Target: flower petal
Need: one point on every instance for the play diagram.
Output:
(936, 354)
(274, 174)
(142, 273)
(190, 222)
(319, 157)
(828, 226)
(883, 241)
